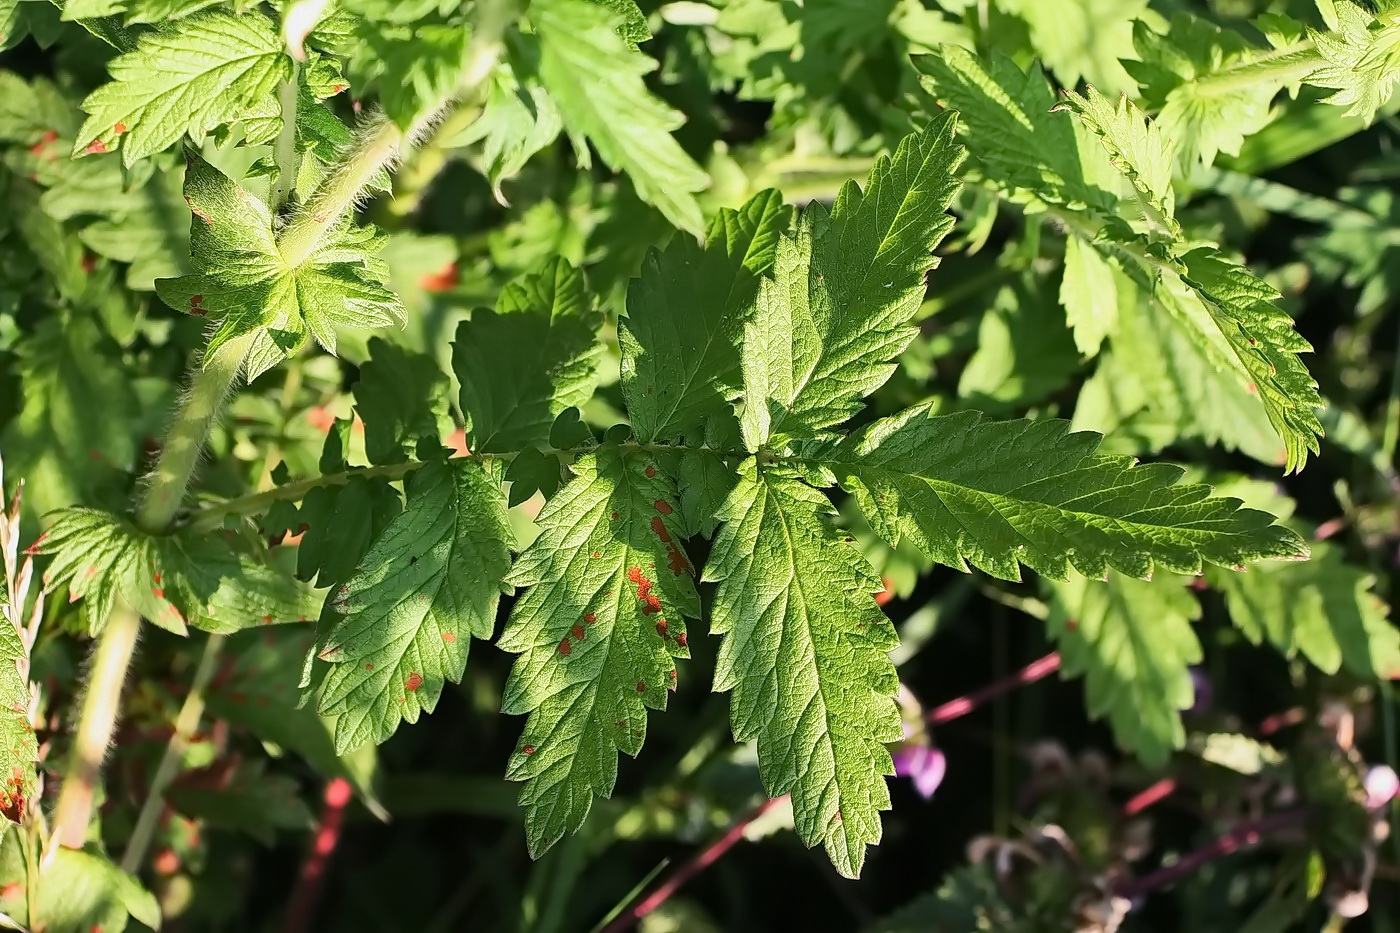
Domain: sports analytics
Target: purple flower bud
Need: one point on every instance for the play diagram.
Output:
(1205, 693)
(924, 764)
(1382, 785)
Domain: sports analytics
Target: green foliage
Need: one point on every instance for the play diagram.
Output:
(692, 376)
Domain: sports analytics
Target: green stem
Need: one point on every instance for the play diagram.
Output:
(1279, 67)
(285, 151)
(185, 725)
(213, 515)
(209, 384)
(97, 719)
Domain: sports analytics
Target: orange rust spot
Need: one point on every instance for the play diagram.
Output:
(119, 128)
(659, 526)
(528, 750)
(661, 628)
(1251, 388)
(651, 471)
(95, 147)
(578, 632)
(449, 637)
(159, 592)
(664, 507)
(641, 686)
(590, 618)
(652, 607)
(565, 647)
(414, 681)
(369, 667)
(680, 639)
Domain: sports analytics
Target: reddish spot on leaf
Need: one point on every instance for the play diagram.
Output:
(11, 891)
(578, 632)
(197, 212)
(414, 681)
(369, 667)
(565, 647)
(96, 146)
(887, 593)
(528, 750)
(652, 607)
(596, 555)
(337, 88)
(661, 628)
(166, 862)
(663, 507)
(448, 637)
(197, 305)
(155, 578)
(680, 639)
(119, 128)
(676, 561)
(590, 618)
(1251, 388)
(614, 516)
(441, 280)
(34, 548)
(641, 686)
(659, 526)
(158, 592)
(651, 471)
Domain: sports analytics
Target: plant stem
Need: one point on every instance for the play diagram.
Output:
(209, 384)
(185, 725)
(427, 163)
(697, 863)
(97, 719)
(313, 870)
(1281, 66)
(285, 151)
(963, 705)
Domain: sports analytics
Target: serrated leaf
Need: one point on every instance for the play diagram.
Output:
(595, 76)
(1324, 609)
(1133, 643)
(172, 580)
(805, 654)
(1362, 60)
(83, 891)
(1089, 293)
(685, 313)
(524, 363)
(188, 78)
(19, 752)
(1082, 38)
(428, 585)
(418, 66)
(518, 119)
(837, 308)
(609, 591)
(241, 277)
(966, 490)
(401, 396)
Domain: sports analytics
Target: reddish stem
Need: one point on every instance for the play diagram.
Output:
(1149, 796)
(645, 904)
(1246, 834)
(313, 870)
(963, 705)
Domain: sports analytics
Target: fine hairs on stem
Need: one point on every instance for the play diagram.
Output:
(378, 144)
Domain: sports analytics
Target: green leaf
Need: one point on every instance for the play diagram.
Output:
(1133, 643)
(994, 493)
(534, 356)
(518, 119)
(19, 752)
(1089, 293)
(428, 585)
(83, 892)
(837, 308)
(172, 580)
(1325, 609)
(609, 591)
(401, 396)
(418, 66)
(595, 76)
(1082, 38)
(685, 313)
(248, 801)
(805, 654)
(188, 78)
(1362, 59)
(241, 277)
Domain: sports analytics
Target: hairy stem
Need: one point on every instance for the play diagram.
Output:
(1279, 67)
(285, 151)
(185, 725)
(97, 719)
(209, 384)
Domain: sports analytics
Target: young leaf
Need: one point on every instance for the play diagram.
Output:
(805, 654)
(1132, 640)
(518, 119)
(1362, 59)
(995, 493)
(187, 78)
(534, 356)
(82, 891)
(595, 76)
(1325, 609)
(240, 274)
(609, 591)
(680, 336)
(428, 585)
(836, 311)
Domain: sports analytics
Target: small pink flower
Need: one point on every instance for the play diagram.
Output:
(925, 765)
(1382, 785)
